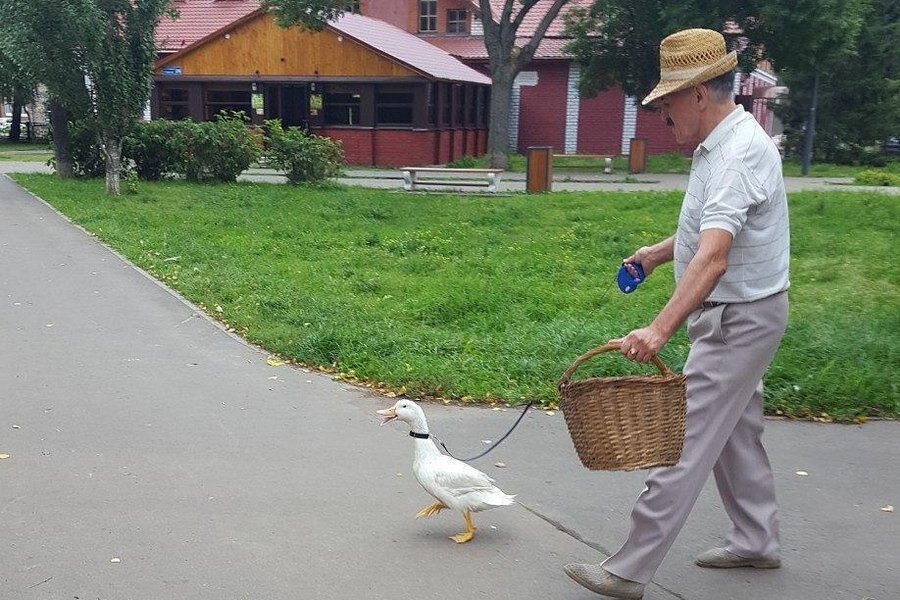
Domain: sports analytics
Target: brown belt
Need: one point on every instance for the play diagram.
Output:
(710, 304)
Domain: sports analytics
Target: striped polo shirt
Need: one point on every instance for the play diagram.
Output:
(736, 185)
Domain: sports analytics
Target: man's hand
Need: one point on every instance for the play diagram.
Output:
(650, 257)
(641, 345)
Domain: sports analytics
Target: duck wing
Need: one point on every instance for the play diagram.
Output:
(458, 478)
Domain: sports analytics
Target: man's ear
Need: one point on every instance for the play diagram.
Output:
(702, 95)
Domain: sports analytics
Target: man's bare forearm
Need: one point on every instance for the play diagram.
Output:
(699, 279)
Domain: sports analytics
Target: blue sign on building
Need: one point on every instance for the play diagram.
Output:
(171, 71)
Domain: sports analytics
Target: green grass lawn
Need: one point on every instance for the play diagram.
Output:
(24, 151)
(479, 298)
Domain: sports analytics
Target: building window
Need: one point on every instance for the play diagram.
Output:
(227, 101)
(394, 108)
(173, 104)
(457, 21)
(342, 109)
(427, 15)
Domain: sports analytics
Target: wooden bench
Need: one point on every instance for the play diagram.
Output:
(606, 158)
(488, 178)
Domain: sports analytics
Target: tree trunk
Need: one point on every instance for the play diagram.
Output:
(62, 143)
(810, 132)
(112, 151)
(15, 128)
(498, 127)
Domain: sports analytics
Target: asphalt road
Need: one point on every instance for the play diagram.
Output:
(153, 455)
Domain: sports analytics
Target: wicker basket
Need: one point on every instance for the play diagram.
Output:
(624, 423)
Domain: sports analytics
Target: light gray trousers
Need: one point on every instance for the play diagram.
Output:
(732, 345)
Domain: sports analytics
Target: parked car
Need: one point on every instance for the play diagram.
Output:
(892, 146)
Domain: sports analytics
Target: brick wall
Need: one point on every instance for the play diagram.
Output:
(600, 123)
(659, 136)
(542, 116)
(401, 147)
(357, 143)
(397, 147)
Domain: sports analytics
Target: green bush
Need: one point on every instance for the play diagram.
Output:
(218, 150)
(156, 147)
(873, 177)
(464, 162)
(87, 154)
(303, 157)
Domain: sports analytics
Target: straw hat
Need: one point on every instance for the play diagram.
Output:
(689, 57)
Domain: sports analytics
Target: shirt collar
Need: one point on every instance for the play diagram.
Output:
(725, 125)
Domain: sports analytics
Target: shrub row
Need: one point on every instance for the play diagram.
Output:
(873, 177)
(217, 150)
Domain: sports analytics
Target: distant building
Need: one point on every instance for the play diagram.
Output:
(395, 99)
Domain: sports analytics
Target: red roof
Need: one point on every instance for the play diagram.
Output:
(406, 48)
(198, 19)
(533, 18)
(473, 48)
(551, 46)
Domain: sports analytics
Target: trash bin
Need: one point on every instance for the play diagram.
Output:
(539, 169)
(637, 156)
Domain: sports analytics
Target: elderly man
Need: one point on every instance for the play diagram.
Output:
(731, 252)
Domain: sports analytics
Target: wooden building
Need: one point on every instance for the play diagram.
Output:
(390, 97)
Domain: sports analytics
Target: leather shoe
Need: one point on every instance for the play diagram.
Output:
(720, 558)
(599, 580)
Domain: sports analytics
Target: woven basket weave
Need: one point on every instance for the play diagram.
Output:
(624, 423)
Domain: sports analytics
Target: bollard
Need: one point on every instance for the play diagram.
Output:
(637, 156)
(539, 169)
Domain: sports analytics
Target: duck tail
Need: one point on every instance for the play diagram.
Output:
(499, 498)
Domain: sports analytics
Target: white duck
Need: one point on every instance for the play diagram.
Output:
(452, 482)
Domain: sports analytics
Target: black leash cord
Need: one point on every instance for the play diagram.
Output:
(495, 444)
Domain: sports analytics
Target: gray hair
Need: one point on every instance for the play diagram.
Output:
(721, 88)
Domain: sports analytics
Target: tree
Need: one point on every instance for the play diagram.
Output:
(120, 68)
(506, 59)
(41, 40)
(95, 57)
(617, 41)
(17, 87)
(858, 104)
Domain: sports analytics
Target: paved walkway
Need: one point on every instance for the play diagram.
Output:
(563, 180)
(153, 455)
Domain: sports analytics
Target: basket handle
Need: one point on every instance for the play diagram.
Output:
(564, 380)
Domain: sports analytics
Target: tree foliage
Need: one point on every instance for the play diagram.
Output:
(617, 43)
(859, 95)
(312, 15)
(94, 56)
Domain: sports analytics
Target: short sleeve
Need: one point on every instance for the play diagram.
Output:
(729, 197)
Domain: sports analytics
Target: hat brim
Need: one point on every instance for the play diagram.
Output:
(720, 67)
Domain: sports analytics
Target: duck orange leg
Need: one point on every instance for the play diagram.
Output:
(469, 533)
(430, 511)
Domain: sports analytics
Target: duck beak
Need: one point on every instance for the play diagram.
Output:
(389, 414)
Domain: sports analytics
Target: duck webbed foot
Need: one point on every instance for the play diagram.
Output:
(430, 511)
(468, 534)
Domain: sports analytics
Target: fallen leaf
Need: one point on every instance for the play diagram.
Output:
(802, 473)
(887, 508)
(273, 361)
(500, 465)
(2, 456)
